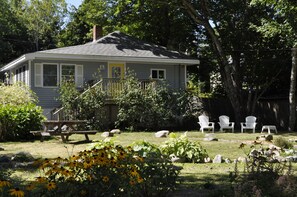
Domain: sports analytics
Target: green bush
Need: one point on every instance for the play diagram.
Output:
(18, 112)
(87, 106)
(184, 149)
(152, 108)
(16, 121)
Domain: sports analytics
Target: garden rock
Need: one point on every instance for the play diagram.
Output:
(23, 157)
(291, 158)
(207, 160)
(210, 137)
(175, 159)
(227, 160)
(106, 134)
(241, 159)
(162, 133)
(218, 159)
(115, 131)
(265, 138)
(273, 147)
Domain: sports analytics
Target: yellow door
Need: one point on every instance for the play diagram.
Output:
(116, 70)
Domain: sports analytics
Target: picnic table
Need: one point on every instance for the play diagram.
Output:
(64, 128)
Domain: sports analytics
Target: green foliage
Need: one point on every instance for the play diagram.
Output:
(282, 143)
(106, 171)
(184, 149)
(16, 94)
(87, 106)
(18, 112)
(265, 176)
(16, 121)
(154, 107)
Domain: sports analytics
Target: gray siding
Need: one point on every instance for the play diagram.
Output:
(48, 97)
(175, 74)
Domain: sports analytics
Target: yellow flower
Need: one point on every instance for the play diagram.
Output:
(105, 179)
(41, 179)
(87, 164)
(74, 157)
(4, 183)
(139, 179)
(16, 192)
(66, 172)
(134, 172)
(132, 182)
(51, 186)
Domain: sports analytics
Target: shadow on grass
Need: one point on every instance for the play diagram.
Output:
(208, 185)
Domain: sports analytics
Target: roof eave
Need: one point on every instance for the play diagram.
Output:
(53, 56)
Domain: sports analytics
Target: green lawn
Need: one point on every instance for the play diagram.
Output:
(196, 179)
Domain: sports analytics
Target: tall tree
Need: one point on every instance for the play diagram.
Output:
(237, 46)
(13, 35)
(282, 22)
(44, 20)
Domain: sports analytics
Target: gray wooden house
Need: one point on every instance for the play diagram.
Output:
(112, 54)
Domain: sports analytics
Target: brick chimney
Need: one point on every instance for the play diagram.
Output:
(97, 32)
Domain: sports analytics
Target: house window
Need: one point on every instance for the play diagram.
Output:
(158, 73)
(50, 75)
(67, 72)
(20, 74)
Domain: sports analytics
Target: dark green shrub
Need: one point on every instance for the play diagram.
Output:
(16, 121)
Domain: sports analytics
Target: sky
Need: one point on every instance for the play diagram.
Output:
(76, 3)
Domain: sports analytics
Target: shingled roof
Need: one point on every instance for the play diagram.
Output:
(120, 45)
(115, 46)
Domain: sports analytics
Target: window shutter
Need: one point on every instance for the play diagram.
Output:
(38, 75)
(79, 74)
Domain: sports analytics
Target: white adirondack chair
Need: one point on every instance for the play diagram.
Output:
(225, 123)
(250, 123)
(205, 124)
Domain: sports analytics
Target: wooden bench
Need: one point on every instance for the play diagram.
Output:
(86, 133)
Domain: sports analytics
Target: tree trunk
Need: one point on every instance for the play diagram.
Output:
(292, 94)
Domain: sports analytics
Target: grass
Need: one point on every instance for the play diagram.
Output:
(207, 179)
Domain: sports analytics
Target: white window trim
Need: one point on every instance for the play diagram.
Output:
(42, 74)
(157, 69)
(61, 65)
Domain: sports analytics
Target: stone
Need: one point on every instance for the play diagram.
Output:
(1, 149)
(210, 137)
(242, 159)
(291, 158)
(23, 157)
(162, 133)
(218, 159)
(207, 160)
(115, 131)
(273, 147)
(106, 134)
(227, 160)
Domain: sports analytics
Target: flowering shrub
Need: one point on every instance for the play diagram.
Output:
(105, 171)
